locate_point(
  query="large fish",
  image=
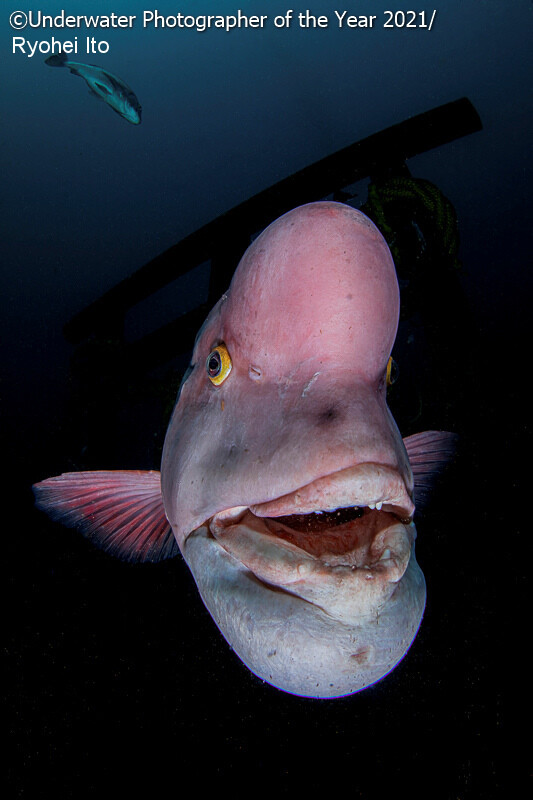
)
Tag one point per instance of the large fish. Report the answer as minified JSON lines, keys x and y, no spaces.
{"x":284,"y":479}
{"x":103,"y":85}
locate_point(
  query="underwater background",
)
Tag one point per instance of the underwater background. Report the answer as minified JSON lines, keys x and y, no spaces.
{"x":116,"y":672}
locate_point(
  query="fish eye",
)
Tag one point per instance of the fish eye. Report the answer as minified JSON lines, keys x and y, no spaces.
{"x":392,"y":371}
{"x":218,"y":364}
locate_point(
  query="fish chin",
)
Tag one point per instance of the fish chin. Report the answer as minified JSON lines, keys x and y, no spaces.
{"x":294,"y":644}
{"x":134,"y":116}
{"x":319,"y":603}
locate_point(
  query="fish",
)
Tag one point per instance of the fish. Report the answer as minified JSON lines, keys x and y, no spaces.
{"x":284,"y":481}
{"x":103,"y":85}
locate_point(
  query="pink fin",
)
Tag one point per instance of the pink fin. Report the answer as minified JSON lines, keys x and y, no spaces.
{"x":429,"y":452}
{"x":121,"y":512}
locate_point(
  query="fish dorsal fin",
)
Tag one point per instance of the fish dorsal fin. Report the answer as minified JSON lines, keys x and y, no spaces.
{"x":120,"y":511}
{"x":429,"y":452}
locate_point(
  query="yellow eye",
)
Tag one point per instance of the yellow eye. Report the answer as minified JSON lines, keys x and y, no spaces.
{"x":392,"y":371}
{"x":218,"y":364}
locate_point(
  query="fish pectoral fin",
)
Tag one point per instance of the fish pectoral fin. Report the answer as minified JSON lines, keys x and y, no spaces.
{"x":98,"y":95}
{"x":429,"y":452}
{"x":103,"y":88}
{"x":120,"y":511}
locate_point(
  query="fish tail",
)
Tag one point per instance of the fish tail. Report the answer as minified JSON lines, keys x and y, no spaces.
{"x":57,"y":60}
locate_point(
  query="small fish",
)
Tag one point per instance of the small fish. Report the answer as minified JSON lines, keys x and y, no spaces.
{"x":105,"y":86}
{"x":284,"y":481}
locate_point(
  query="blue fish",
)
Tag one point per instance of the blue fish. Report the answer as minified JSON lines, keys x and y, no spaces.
{"x":105,"y":86}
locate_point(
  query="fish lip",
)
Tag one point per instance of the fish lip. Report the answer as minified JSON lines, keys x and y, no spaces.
{"x":310,"y":542}
{"x":378,"y":491}
{"x":350,"y":572}
{"x":362,"y":485}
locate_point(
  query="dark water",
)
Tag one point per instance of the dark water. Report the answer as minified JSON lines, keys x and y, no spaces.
{"x":116,"y":672}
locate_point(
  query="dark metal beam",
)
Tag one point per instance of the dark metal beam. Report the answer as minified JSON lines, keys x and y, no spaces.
{"x":372,"y":156}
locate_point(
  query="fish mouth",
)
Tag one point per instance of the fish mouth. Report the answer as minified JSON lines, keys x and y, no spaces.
{"x":342,"y":542}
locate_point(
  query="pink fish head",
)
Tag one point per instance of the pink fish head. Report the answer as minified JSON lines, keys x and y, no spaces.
{"x":306,"y":327}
